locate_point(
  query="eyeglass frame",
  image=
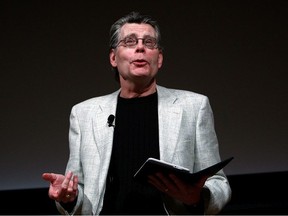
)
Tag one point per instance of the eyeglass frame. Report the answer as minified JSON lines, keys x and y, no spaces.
{"x":137,"y":40}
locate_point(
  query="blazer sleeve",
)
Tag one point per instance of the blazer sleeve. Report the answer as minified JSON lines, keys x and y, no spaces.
{"x":74,"y":162}
{"x":207,"y":154}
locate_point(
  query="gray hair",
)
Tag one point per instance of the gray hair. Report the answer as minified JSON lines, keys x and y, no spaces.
{"x":133,"y":17}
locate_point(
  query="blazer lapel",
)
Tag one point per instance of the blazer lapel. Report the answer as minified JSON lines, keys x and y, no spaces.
{"x":102,"y":132}
{"x":170,"y":116}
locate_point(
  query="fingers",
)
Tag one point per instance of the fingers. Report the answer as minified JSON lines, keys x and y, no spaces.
{"x":75,"y":183}
{"x":72,"y":190}
{"x":161,"y":182}
{"x":173,"y":184}
{"x":66,"y":182}
{"x":69,"y":188}
{"x":175,"y":187}
{"x":156,"y":183}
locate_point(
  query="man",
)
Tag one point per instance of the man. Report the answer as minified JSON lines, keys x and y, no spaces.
{"x":144,"y":120}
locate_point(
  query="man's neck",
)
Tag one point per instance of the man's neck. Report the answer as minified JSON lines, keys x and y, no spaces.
{"x":132,"y":91}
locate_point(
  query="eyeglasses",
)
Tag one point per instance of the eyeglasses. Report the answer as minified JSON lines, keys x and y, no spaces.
{"x":131,"y":42}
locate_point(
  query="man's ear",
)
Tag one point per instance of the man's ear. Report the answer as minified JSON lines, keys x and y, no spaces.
{"x":112,"y":58}
{"x":160,"y":59}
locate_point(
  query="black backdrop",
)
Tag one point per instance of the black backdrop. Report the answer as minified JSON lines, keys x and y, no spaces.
{"x":55,"y":54}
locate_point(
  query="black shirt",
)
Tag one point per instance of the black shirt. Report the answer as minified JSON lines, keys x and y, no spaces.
{"x":135,"y":139}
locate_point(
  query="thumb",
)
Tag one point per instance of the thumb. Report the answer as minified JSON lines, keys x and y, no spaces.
{"x":49,"y":177}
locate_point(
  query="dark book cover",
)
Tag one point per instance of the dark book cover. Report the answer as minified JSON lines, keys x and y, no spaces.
{"x":152,"y":165}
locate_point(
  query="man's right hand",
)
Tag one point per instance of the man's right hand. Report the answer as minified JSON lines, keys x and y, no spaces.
{"x":62,"y":188}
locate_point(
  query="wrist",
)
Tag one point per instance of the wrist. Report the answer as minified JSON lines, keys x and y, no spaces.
{"x":196,"y":208}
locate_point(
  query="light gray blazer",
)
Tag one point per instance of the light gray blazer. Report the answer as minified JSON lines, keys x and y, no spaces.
{"x":186,"y":137}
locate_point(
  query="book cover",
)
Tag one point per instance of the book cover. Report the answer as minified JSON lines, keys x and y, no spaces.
{"x":152,"y":165}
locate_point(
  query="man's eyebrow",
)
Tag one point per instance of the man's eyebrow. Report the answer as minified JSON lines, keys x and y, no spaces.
{"x":134,"y":35}
{"x":130,"y":35}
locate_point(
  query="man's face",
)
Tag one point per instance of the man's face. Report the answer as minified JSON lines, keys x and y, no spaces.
{"x":138,"y":62}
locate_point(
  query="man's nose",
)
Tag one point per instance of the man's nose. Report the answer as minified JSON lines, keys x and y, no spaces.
{"x":140,"y":45}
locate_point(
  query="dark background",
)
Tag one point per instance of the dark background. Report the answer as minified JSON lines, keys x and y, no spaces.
{"x":54,"y":54}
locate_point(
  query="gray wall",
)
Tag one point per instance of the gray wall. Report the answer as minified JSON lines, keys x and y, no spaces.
{"x":54,"y":54}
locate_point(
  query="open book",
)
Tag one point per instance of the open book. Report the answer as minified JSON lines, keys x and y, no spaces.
{"x":152,"y":165}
